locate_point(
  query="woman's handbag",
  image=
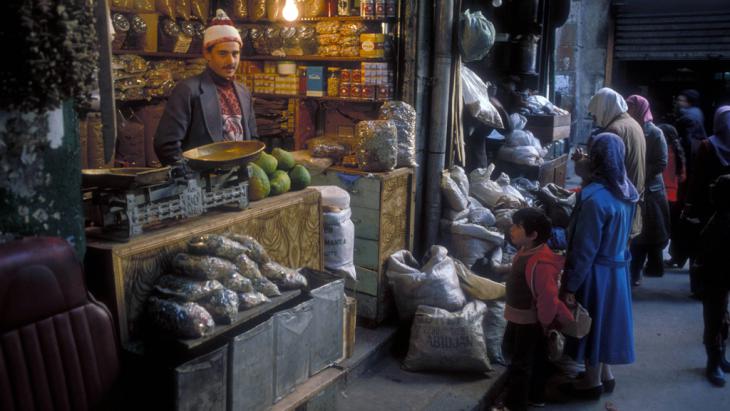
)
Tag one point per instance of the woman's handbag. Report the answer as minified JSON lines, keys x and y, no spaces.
{"x":581,"y":325}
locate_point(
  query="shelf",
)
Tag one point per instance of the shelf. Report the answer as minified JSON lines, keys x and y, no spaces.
{"x":317,"y":58}
{"x":324,"y":18}
{"x":326,"y":98}
{"x":161,"y":54}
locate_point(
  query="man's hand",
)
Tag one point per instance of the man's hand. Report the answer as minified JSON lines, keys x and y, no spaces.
{"x":578,"y":154}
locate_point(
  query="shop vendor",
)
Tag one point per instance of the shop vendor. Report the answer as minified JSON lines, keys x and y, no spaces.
{"x":211,"y":106}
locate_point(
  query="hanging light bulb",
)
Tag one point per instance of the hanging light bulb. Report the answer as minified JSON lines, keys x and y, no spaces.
{"x":290,"y":12}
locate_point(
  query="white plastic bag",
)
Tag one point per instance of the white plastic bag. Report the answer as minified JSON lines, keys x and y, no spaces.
{"x":524,"y":155}
{"x":339,"y":243}
{"x":435,"y":284}
{"x":485,"y":190}
{"x":476,"y":99}
{"x":451,"y":191}
{"x":476,"y":36}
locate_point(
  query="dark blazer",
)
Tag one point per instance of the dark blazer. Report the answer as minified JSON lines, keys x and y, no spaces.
{"x":192,"y":117}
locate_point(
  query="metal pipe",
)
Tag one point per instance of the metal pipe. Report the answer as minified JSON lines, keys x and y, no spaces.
{"x":424,"y":40}
{"x":440,"y":107}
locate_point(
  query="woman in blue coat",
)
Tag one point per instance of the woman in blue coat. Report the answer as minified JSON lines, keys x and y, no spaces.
{"x":596,"y":271}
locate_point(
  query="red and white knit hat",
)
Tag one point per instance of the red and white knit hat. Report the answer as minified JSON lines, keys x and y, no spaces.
{"x":221,"y":30}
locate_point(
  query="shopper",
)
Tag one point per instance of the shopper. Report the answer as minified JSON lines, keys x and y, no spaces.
{"x":675,"y":183}
{"x":609,"y":110}
{"x":690,"y":122}
{"x":532,"y":308}
{"x":596,"y":271}
{"x":711,"y":266}
{"x":649,"y":245}
{"x":711,"y":161}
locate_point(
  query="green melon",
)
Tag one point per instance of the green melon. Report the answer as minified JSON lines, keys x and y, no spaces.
{"x":267,"y":162}
{"x":259,"y":185}
{"x":285,"y":159}
{"x":300,"y":177}
{"x":280,"y":182}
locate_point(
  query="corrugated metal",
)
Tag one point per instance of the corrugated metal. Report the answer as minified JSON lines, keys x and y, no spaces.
{"x":672,"y":36}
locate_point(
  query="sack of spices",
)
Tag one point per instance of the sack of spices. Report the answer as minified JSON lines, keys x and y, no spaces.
{"x":184,"y":289}
{"x":327,"y":27}
{"x":222,"y":305}
{"x":404,"y":118}
{"x":202,"y":267}
{"x":307,"y":39}
{"x":253,"y":248}
{"x":339,"y":241}
{"x":448,"y":341}
{"x":285,"y":278}
{"x":377,"y":143}
{"x":250,"y":300}
{"x":182,"y":320}
{"x":236,"y":282}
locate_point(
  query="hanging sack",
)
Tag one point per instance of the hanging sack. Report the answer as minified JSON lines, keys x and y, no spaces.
{"x":476,"y":36}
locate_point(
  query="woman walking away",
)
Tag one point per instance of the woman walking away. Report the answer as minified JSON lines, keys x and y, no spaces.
{"x":596,"y":272}
{"x":675,"y":184}
{"x":711,"y":263}
{"x":648,"y":246}
{"x":711,"y":161}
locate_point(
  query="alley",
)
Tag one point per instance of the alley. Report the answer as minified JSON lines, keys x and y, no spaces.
{"x":667,"y":376}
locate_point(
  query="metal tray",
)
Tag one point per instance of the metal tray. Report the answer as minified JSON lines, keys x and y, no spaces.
{"x":226,"y":154}
{"x":127,"y":177}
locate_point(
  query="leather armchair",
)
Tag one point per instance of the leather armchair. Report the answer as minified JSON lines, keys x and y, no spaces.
{"x":58,"y":349}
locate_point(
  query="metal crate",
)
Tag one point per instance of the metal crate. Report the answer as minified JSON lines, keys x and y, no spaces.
{"x":200,"y":384}
{"x":292,"y":336}
{"x":328,"y":302}
{"x":251,"y":386}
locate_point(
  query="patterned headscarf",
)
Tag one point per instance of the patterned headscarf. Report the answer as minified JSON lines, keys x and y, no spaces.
{"x":721,"y":139}
{"x":607,"y":166}
{"x":606,"y":105}
{"x":639,"y":109}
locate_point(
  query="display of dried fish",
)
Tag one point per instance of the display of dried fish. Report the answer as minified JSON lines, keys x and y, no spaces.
{"x":237,"y":282}
{"x":255,"y":250}
{"x":202,"y":267}
{"x":183,"y":320}
{"x":284,"y":277}
{"x":184,"y":289}
{"x":222,"y":305}
{"x":250,"y":300}
{"x":216,"y":245}
{"x":266,"y":287}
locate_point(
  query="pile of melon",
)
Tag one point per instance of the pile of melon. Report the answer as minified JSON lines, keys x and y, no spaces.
{"x":274,"y":174}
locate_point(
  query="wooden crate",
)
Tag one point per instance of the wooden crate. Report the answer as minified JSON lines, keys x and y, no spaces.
{"x":348,"y":331}
{"x":549,"y":128}
{"x":382,"y":211}
{"x":554,"y":171}
{"x":122,"y":275}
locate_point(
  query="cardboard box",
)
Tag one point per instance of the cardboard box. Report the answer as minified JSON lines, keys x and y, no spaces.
{"x":548,"y":128}
{"x":315,"y":81}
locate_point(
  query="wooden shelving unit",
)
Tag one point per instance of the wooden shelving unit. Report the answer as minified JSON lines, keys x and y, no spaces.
{"x":316,"y":58}
{"x":324,"y":98}
{"x":159,"y":54}
{"x":323,"y":18}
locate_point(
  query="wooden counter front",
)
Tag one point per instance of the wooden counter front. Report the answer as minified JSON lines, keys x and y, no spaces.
{"x":122,"y":275}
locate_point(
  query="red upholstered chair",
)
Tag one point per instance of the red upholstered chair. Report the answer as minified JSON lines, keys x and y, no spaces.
{"x":57,"y":344}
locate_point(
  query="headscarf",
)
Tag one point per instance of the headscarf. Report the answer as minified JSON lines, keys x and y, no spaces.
{"x":639,"y":109}
{"x":607,"y":166}
{"x":721,"y":139}
{"x":606,"y":105}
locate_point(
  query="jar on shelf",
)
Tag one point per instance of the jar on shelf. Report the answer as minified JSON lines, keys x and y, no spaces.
{"x":355,"y":90}
{"x":368,"y":92}
{"x":343,"y":7}
{"x":344,"y":89}
{"x":345,"y":75}
{"x":120,"y":22}
{"x":137,"y":35}
{"x":169,"y":35}
{"x":356,"y":76}
{"x":333,"y":82}
{"x":302,"y":87}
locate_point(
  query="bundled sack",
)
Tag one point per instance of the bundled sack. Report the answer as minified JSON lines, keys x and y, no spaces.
{"x":472,"y":242}
{"x":523,"y":155}
{"x":476,"y":99}
{"x":559,"y":203}
{"x":377,"y":142}
{"x":489,"y":193}
{"x":184,"y":289}
{"x":478,"y":287}
{"x":476,"y":36}
{"x":435,"y":284}
{"x":182,"y":320}
{"x":448,"y":341}
{"x":339,"y":243}
{"x":222,"y":305}
{"x":456,"y":199}
{"x":250,"y":300}
{"x":521,"y":137}
{"x":404,"y":118}
{"x":202,"y":267}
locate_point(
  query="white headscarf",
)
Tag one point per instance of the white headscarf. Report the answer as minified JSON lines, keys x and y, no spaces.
{"x":606,"y":105}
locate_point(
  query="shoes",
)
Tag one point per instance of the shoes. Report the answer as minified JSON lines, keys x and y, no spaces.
{"x":635,"y":283}
{"x":608,"y":385}
{"x":713,"y":372}
{"x":569,"y":389}
{"x":537,"y":404}
{"x":724,"y":364}
{"x":670,"y":264}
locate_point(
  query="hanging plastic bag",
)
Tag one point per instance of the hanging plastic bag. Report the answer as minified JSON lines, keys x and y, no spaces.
{"x":476,"y":99}
{"x":448,"y":341}
{"x":435,"y":284}
{"x":404,"y":118}
{"x":476,"y":36}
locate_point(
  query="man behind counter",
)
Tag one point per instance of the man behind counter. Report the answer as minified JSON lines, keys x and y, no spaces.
{"x":209,"y":107}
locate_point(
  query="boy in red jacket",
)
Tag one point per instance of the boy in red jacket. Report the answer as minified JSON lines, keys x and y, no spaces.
{"x":532,"y":308}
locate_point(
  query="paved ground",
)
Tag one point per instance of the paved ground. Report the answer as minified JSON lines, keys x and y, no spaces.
{"x":668,"y":374}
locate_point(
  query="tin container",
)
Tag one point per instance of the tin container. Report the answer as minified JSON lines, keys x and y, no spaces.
{"x":292,"y":343}
{"x":345,"y":75}
{"x":252,"y":376}
{"x":202,"y":382}
{"x":355,"y":90}
{"x":344,"y":89}
{"x":368,"y":91}
{"x":356,"y":76}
